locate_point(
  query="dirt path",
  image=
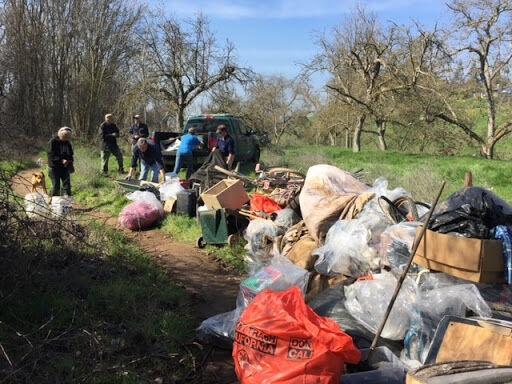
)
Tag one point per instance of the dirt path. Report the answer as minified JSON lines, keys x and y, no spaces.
{"x":211,"y":289}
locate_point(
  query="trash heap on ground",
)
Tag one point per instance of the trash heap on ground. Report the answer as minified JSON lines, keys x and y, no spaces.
{"x":329,"y":267}
{"x":341,"y":246}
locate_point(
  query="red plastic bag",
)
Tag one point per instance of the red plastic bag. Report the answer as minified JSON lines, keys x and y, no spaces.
{"x":262,"y":203}
{"x":280,"y":340}
{"x":140,"y":215}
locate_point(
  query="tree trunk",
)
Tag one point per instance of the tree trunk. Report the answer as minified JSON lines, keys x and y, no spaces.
{"x":347,"y":138}
{"x":356,"y":140}
{"x":381,"y":129}
{"x":332,"y":139}
{"x":180,"y":118}
{"x":488,"y":149}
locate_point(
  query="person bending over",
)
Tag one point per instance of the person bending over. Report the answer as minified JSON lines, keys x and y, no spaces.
{"x":150,"y":160}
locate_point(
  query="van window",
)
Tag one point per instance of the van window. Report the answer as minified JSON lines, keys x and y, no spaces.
{"x":204,"y":125}
{"x":243,"y":129}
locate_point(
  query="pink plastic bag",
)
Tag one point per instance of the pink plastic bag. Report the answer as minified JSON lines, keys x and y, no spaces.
{"x":140,"y":215}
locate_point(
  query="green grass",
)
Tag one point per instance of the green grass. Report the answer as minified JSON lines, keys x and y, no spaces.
{"x":109,"y":316}
{"x":181,"y":228}
{"x":93,"y":190}
{"x":419,"y":174}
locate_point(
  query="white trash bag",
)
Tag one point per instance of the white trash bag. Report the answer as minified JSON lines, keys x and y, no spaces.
{"x":36,"y":205}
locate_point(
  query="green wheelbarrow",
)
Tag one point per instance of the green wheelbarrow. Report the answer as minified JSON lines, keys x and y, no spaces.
{"x":220,"y":227}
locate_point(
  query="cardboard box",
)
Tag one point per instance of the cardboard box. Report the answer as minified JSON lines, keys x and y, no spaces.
{"x":228,"y":194}
{"x":476,"y":260}
{"x":458,"y":340}
{"x":170,"y":205}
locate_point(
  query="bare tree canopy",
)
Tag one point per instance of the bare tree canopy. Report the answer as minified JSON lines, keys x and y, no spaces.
{"x":186,"y":61}
{"x":482,"y":31}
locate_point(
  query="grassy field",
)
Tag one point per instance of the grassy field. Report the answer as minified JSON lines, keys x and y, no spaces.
{"x":419,"y":174}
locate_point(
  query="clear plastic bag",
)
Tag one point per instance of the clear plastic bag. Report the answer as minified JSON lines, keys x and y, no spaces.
{"x":286,"y":218}
{"x":146,"y":197}
{"x":439,"y":295}
{"x":345,"y":250}
{"x":36,"y":205}
{"x":169,"y":176}
{"x":368,"y":300}
{"x":396,"y":243}
{"x":279,"y":275}
{"x":260,"y":235}
{"x":170,"y":189}
{"x":380,"y":188}
{"x":220,"y":329}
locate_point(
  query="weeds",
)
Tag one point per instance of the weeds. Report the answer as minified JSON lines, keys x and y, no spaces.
{"x":82,"y":304}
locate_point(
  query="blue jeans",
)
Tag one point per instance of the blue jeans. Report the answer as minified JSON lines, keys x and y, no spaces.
{"x":187,"y":158}
{"x":145,"y":168}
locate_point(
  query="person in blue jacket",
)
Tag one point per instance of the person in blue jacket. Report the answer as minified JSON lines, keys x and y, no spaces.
{"x":185,"y":153}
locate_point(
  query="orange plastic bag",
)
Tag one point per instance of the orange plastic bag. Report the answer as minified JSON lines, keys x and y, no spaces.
{"x":262,"y":203}
{"x":280,"y":340}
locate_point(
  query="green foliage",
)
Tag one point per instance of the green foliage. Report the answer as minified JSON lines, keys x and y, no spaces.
{"x":233,"y":257}
{"x":92,"y":189}
{"x":95,"y":306}
{"x":181,"y":228}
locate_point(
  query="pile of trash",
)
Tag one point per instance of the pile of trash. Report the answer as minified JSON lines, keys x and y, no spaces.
{"x":343,"y":247}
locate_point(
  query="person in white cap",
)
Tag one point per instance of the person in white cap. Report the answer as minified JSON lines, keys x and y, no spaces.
{"x":60,"y":161}
{"x":150,"y":160}
{"x":109,"y":133}
{"x":138,"y":129}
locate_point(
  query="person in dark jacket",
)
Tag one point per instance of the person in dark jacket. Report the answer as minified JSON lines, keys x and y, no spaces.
{"x":60,"y":161}
{"x":138,"y":130}
{"x":225,"y":145}
{"x":150,"y":160}
{"x":109,"y":133}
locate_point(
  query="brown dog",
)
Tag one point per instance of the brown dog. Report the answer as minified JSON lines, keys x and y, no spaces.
{"x":38,"y":180}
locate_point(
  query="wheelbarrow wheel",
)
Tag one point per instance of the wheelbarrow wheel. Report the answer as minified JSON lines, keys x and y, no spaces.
{"x":233,"y":240}
{"x":200,"y":243}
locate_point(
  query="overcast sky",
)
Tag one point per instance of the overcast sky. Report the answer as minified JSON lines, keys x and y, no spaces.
{"x":276,"y":36}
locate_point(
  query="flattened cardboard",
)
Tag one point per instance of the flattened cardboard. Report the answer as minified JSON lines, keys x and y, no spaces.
{"x":469,"y":342}
{"x":476,"y":260}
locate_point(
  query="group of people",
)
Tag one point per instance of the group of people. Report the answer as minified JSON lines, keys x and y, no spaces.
{"x":60,"y":153}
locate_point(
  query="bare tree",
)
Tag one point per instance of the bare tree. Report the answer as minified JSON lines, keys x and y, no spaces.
{"x":277,"y":105}
{"x":186,"y":61}
{"x":357,"y":57}
{"x":484,"y":32}
{"x":64,"y":61}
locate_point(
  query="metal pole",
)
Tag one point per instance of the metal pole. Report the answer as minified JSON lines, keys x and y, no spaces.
{"x":406,"y":270}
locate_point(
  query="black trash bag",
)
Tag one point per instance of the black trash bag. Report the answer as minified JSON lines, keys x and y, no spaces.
{"x":151,"y":188}
{"x":471,"y":212}
{"x":206,"y":175}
